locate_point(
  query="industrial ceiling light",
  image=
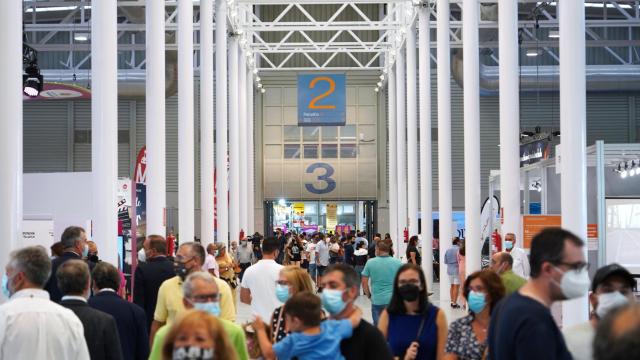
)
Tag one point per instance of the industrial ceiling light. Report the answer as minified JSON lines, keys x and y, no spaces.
{"x":625,"y":172}
{"x":259,"y":86}
{"x":633,"y":170}
{"x":81,"y":36}
{"x":532,"y":52}
{"x":554,"y":34}
{"x":379,"y":84}
{"x":32,"y":80}
{"x":376,"y":89}
{"x":255,"y":71}
{"x":263,"y":91}
{"x":257,"y":78}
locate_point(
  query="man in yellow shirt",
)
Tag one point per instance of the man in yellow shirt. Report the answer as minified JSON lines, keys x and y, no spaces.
{"x":502,"y":264}
{"x":189,"y":259}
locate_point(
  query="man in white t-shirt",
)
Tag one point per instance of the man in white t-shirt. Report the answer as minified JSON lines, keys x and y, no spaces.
{"x":210,"y":263}
{"x":258,"y":287}
{"x":310,"y":249}
{"x":521,"y":265}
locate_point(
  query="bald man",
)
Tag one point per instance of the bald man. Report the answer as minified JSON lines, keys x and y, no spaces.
{"x":502,"y":264}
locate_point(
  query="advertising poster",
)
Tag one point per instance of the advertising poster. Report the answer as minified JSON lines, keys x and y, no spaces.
{"x":37,"y":232}
{"x":534,"y":152}
{"x":322,"y":100}
{"x":140,"y":176}
{"x":533,"y":224}
{"x":332,"y":216}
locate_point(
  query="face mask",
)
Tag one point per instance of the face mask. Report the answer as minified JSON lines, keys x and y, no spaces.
{"x":477,"y":301}
{"x":5,"y":286}
{"x":85,"y":251}
{"x":181,"y":271}
{"x":282,"y":293}
{"x":142,"y":255}
{"x":508,"y":245}
{"x":212,"y":308}
{"x":332,"y":301}
{"x":608,"y":302}
{"x":192,"y":353}
{"x":575,"y":283}
{"x":409,"y":292}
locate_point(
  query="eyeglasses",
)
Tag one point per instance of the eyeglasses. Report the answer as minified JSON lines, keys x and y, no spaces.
{"x":578,"y":266}
{"x":206,"y":298}
{"x":409,"y":282}
{"x":181,"y":261}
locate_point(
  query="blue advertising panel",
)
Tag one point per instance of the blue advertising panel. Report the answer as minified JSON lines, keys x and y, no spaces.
{"x":322,"y":100}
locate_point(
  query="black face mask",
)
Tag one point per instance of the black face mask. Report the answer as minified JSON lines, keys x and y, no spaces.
{"x":409,"y":292}
{"x":181,"y":270}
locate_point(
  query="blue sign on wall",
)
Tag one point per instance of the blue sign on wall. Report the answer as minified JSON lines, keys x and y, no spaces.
{"x":321,"y":100}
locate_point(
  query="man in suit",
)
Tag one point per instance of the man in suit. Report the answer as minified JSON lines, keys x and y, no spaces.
{"x":100,"y":329}
{"x":151,"y":274}
{"x":130,"y":318}
{"x":75,"y":247}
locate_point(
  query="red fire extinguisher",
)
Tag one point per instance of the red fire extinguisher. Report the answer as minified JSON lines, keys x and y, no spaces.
{"x":406,"y":235}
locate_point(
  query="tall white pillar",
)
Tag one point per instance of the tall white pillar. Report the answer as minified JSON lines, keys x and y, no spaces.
{"x":206,"y":122}
{"x":186,"y":158}
{"x":509,"y":117}
{"x":155,"y":118}
{"x":393,"y":160}
{"x":573,"y":117}
{"x":234,"y":141}
{"x":412,"y":132}
{"x":444,"y":143}
{"x":426,"y":172}
{"x":11,"y":128}
{"x":471,"y":66}
{"x":104,"y":127}
{"x":222,"y":180}
{"x":242,"y":142}
{"x":251,"y":221}
{"x":401,"y":144}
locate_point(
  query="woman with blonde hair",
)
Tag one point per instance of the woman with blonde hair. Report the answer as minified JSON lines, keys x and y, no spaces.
{"x":197,"y":335}
{"x":292,"y":280}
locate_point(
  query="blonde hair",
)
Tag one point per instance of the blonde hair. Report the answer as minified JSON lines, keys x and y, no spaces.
{"x":192,"y":318}
{"x":299,"y":278}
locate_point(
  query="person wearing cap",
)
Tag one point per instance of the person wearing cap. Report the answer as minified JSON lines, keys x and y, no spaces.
{"x":612,"y":287}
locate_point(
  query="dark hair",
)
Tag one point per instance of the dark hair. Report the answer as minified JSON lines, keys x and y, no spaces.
{"x":270,"y":245}
{"x":462,"y":250}
{"x":306,"y":307}
{"x":456,"y":241}
{"x":360,"y":245}
{"x":158,"y":243}
{"x":349,"y":275}
{"x":70,"y":235}
{"x":57,"y":249}
{"x":548,"y":246}
{"x":34,"y":262}
{"x":612,"y":343}
{"x":505,"y":257}
{"x":413,"y":240}
{"x":106,"y":276}
{"x":396,"y":305}
{"x":72,"y":277}
{"x":492,"y":283}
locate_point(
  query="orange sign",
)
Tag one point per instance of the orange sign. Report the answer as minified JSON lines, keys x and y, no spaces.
{"x":592,"y":231}
{"x":533,"y":224}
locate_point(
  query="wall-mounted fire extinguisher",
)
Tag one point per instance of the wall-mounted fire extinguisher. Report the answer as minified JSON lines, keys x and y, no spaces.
{"x":406,"y":235}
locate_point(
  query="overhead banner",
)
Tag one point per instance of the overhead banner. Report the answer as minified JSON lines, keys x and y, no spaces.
{"x":332,"y":216}
{"x":534,"y":152}
{"x":322,"y":100}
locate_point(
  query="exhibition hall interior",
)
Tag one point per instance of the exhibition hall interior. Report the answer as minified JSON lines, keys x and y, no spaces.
{"x":320,"y":179}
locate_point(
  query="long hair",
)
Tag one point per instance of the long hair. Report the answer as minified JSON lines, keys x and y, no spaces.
{"x":192,"y":318}
{"x":492,"y":284}
{"x":396,"y":305}
{"x":299,"y":278}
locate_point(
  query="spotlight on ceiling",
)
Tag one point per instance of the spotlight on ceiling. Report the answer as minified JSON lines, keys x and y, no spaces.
{"x":624,"y":172}
{"x":81,"y":36}
{"x":32,"y":80}
{"x":263,"y":90}
{"x":554,"y":34}
{"x":532,"y":52}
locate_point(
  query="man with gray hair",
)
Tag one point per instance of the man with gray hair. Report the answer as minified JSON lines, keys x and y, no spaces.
{"x":100,"y":330}
{"x":201,"y":292}
{"x":30,"y":324}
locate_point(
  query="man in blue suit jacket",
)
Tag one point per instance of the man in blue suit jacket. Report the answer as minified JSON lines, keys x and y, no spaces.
{"x":130,"y":318}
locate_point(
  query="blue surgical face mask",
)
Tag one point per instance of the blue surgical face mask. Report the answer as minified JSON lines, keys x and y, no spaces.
{"x":85,"y":251}
{"x":212,"y":308}
{"x":477,"y":301}
{"x":282,"y":293}
{"x":332,"y":301}
{"x":5,"y":286}
{"x":508,"y":245}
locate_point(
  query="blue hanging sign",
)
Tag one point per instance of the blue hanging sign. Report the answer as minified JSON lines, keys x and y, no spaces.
{"x":322,"y":100}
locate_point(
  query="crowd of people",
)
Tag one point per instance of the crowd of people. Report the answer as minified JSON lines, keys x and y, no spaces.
{"x":302,"y":290}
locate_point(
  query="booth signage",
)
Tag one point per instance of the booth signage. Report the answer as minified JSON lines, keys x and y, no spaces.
{"x":321,"y":100}
{"x":534,"y":152}
{"x":534,"y":224}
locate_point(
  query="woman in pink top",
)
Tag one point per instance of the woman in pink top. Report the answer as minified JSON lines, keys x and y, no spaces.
{"x":462,"y":274}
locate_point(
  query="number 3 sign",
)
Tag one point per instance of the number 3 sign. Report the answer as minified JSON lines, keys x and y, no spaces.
{"x":321,"y":99}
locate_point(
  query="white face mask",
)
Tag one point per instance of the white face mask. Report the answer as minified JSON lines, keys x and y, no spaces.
{"x":574,"y":283}
{"x":610,"y":301}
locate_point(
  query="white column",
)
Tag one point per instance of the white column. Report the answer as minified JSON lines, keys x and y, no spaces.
{"x":401,"y":144}
{"x":242,"y":142}
{"x":412,"y":132}
{"x":186,"y":170}
{"x":471,"y":66}
{"x":155,"y":118}
{"x":11,"y":128}
{"x":393,"y":160}
{"x":509,"y":117}
{"x":573,"y":117}
{"x":222,"y":181}
{"x":426,"y":172}
{"x":206,"y":122}
{"x":251,"y":221}
{"x":234,"y":141}
{"x":104,"y":127}
{"x":444,"y":142}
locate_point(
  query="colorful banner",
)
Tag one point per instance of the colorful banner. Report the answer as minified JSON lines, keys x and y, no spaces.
{"x":332,"y":216}
{"x":140,"y":176}
{"x":534,"y":152}
{"x":322,"y":100}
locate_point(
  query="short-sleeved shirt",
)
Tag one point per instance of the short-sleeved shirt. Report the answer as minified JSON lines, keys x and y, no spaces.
{"x":511,"y":281}
{"x":323,"y":253}
{"x":210,"y":263}
{"x":462,"y":341}
{"x":170,"y":301}
{"x":311,"y":249}
{"x":260,"y":278}
{"x":323,"y":346}
{"x":234,"y":332}
{"x":414,"y":249}
{"x":366,"y":342}
{"x":521,"y":328}
{"x":381,"y":271}
{"x":451,"y":259}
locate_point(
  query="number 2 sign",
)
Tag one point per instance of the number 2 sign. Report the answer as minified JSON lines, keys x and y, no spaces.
{"x":321,"y":100}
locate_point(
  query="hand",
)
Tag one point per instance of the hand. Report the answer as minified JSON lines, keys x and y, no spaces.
{"x":258,"y":324}
{"x":412,"y":351}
